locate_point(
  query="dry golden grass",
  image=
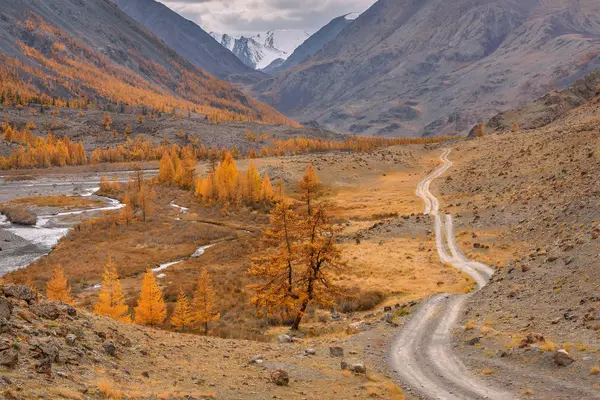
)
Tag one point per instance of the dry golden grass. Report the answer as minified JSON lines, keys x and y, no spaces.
{"x":108,"y":390}
{"x":487,"y":371}
{"x":397,"y":267}
{"x":64,"y":202}
{"x":595,"y":370}
{"x":65,"y":393}
{"x":18,"y":215}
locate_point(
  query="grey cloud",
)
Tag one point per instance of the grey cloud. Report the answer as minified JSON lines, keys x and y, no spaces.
{"x":252,"y":16}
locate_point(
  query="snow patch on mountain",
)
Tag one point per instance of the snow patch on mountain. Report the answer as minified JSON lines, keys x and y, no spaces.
{"x":352,"y":16}
{"x":260,"y":50}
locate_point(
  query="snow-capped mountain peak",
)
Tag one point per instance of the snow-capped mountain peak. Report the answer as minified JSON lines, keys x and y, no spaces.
{"x":260,"y":50}
{"x":352,"y":16}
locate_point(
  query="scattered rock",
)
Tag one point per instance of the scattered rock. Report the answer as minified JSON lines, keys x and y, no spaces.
{"x":310,"y":352}
{"x":70,"y":339}
{"x":46,"y":310}
{"x":145,"y":374}
{"x":109,"y":348}
{"x":257,"y":359}
{"x":358,"y":368}
{"x":19,"y":292}
{"x":9,"y":358}
{"x":6,"y":308}
{"x":474,"y":341}
{"x":284,"y":339}
{"x":562,"y":358}
{"x":280,"y":377}
{"x":336,"y":351}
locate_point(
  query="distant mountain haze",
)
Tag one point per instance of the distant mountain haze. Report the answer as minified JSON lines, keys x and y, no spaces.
{"x":189,"y":40}
{"x":414,"y":67}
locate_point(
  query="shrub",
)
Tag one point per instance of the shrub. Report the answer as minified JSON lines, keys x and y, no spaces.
{"x":358,"y":300}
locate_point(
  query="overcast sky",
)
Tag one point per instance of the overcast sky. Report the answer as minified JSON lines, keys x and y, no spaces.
{"x":238,"y":17}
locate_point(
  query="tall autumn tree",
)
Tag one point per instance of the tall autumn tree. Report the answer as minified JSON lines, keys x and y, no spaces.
{"x":266,"y":190}
{"x":111,"y":301}
{"x":127,"y":213}
{"x":183,"y":315}
{"x":276,"y":263}
{"x":204,"y":301}
{"x":320,"y":256}
{"x":145,"y":200}
{"x":226,"y":179}
{"x":309,"y":185}
{"x":252,"y":184}
{"x":58,"y":288}
{"x":166,"y":170}
{"x":150,"y":309}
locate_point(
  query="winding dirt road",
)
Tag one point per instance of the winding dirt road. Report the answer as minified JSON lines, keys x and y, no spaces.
{"x":421,"y":354}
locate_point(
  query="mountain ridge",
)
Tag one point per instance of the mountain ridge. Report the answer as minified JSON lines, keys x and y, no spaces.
{"x":189,"y":40}
{"x":413,"y":68}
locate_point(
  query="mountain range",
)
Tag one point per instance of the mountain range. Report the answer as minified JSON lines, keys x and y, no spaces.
{"x":92,"y":52}
{"x":263,"y":49}
{"x":413,"y":67}
{"x":189,"y":40}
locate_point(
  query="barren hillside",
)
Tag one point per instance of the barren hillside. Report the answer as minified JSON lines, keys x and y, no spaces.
{"x":408,"y":68}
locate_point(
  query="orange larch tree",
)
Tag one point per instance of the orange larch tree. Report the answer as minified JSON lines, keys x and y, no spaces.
{"x":58,"y":288}
{"x":150,"y":309}
{"x":309,"y":185}
{"x":111,"y":301}
{"x":183,"y":315}
{"x":204,"y":301}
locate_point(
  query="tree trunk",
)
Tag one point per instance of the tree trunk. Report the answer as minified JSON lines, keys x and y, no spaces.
{"x":298,"y":319}
{"x":308,"y":203}
{"x":206,"y":327}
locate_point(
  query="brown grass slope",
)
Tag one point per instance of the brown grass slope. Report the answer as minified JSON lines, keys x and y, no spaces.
{"x":93,"y":50}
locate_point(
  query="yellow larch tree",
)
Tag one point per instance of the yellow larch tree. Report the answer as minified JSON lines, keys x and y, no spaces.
{"x":252,"y":184}
{"x":107,"y":121}
{"x":309,"y":185}
{"x":58,"y":288}
{"x":226,"y":179}
{"x":145,"y":200}
{"x":111,"y":301}
{"x":205,"y":189}
{"x":183,"y":315}
{"x":150,"y":309}
{"x":204,"y":301}
{"x":266,"y":190}
{"x":166,"y":170}
{"x":127,"y":213}
{"x":277,"y":262}
{"x":320,"y":257}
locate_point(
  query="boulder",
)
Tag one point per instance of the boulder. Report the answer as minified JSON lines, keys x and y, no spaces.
{"x":280,"y":377}
{"x":46,"y":310}
{"x":336,"y":351}
{"x":310,"y":352}
{"x":284,"y":339}
{"x":257,"y":359}
{"x":6,"y":308}
{"x":70,"y":339}
{"x":9,"y":358}
{"x":562,"y":358}
{"x":20,"y":292}
{"x":44,"y":349}
{"x":109,"y":348}
{"x":355,"y":366}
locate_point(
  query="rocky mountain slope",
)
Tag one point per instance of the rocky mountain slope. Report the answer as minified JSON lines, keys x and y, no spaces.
{"x":189,"y":40}
{"x":313,"y":44}
{"x":437,"y":67}
{"x":92,"y":52}
{"x":548,"y":108}
{"x":527,"y":203}
{"x":264,"y":49}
